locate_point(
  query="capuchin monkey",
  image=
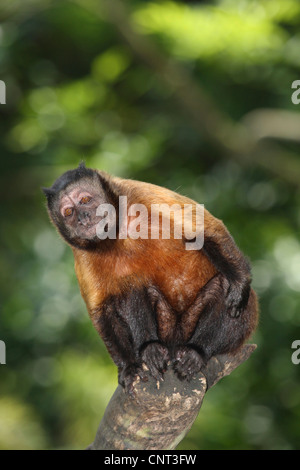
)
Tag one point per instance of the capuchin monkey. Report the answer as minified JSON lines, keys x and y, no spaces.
{"x":154,"y":299}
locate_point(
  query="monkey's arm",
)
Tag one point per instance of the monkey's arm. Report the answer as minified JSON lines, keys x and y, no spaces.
{"x":222,"y":251}
{"x":128,"y":328}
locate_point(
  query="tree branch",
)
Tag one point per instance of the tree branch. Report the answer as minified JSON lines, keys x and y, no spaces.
{"x":160,"y":414}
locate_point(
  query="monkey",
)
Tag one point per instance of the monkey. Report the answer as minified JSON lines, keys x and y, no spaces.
{"x":153,"y":302}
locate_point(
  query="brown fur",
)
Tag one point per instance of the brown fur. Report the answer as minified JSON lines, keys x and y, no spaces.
{"x":145,"y":262}
{"x":152,"y":300}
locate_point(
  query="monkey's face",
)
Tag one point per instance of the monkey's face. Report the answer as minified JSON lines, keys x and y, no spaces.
{"x":77,"y":209}
{"x":73,"y":201}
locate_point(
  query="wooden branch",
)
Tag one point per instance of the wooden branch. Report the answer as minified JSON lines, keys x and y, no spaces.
{"x":160,"y":414}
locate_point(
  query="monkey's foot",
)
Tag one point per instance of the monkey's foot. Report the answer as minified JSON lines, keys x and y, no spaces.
{"x":155,"y":356}
{"x":187,"y":362}
{"x":237,"y":299}
{"x":128,"y":376}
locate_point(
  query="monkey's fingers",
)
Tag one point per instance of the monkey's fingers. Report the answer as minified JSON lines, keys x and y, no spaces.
{"x":187,"y":363}
{"x":235,"y":312}
{"x":128,"y":375}
{"x":156,"y":356}
{"x":237,"y":299}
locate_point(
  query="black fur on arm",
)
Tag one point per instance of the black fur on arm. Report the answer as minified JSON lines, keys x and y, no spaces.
{"x":128,"y":327}
{"x":232,"y":264}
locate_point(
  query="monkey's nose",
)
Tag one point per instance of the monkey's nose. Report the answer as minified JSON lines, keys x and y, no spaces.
{"x":84,"y":218}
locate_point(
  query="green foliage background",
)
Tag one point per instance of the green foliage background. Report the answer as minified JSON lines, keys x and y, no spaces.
{"x":76,"y":89}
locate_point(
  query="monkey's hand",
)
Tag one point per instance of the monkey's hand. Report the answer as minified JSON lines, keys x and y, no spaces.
{"x":187,"y":362}
{"x":129,"y":374}
{"x":155,"y":356}
{"x":237,"y":298}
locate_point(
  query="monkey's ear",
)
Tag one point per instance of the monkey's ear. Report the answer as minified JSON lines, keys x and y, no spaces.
{"x":49,"y":193}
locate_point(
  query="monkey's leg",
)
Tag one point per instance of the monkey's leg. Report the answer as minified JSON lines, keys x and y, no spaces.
{"x":215,"y":330}
{"x":128,"y":328}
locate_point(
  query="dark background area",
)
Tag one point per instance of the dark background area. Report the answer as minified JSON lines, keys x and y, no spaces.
{"x":193,"y":96}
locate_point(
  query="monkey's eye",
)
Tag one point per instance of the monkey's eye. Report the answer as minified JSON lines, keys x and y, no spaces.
{"x":85,"y":199}
{"x":68,"y":211}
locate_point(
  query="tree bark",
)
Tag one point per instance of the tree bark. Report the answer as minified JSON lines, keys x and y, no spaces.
{"x":160,"y":414}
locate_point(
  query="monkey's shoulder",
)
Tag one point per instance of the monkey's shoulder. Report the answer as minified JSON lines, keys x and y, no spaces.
{"x":147,"y":193}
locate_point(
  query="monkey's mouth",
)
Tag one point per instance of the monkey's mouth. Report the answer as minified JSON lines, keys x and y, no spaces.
{"x":87,"y":231}
{"x":88,"y":227}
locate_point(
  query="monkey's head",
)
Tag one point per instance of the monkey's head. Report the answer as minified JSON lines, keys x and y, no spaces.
{"x":73,"y":200}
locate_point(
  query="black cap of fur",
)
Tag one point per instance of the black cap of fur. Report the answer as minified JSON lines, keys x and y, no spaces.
{"x":67,"y":178}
